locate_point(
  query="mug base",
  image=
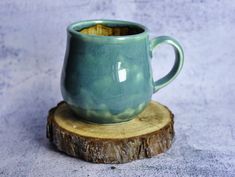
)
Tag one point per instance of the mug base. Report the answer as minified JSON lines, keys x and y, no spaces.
{"x":105,"y":116}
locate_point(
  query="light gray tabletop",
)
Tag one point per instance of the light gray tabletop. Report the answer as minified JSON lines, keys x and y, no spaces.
{"x":32,"y":46}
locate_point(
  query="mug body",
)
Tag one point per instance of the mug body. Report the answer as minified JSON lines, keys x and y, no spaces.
{"x":107,"y":79}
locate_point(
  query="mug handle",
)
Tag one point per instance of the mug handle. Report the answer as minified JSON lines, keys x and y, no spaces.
{"x":179,"y":60}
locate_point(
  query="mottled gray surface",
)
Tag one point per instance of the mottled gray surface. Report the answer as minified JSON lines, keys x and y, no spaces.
{"x":32,"y":46}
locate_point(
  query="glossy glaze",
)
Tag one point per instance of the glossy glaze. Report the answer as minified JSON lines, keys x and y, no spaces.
{"x":108,"y":79}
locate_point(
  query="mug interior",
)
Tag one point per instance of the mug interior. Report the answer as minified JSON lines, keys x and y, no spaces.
{"x":108,"y":28}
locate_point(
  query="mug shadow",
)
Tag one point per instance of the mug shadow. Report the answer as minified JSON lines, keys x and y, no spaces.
{"x":40,"y":134}
{"x":35,"y":124}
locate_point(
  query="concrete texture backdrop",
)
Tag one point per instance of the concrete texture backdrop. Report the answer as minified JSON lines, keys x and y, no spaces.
{"x":32,"y":46}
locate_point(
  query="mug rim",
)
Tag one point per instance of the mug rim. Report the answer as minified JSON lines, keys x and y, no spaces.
{"x":71,"y":29}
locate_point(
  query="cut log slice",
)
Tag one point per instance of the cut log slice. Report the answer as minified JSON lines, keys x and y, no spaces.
{"x":147,"y":135}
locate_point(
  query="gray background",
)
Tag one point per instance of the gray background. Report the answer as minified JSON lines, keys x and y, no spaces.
{"x":32,"y":46}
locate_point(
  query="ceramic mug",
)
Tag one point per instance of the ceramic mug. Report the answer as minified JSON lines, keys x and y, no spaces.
{"x":107,"y":75}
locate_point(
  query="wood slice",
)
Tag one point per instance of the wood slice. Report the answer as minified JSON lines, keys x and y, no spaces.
{"x":147,"y":135}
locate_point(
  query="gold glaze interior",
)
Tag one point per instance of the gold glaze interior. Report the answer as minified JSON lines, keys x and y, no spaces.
{"x":102,"y":30}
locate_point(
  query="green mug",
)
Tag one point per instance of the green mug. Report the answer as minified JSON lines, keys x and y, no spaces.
{"x":107,"y":75}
